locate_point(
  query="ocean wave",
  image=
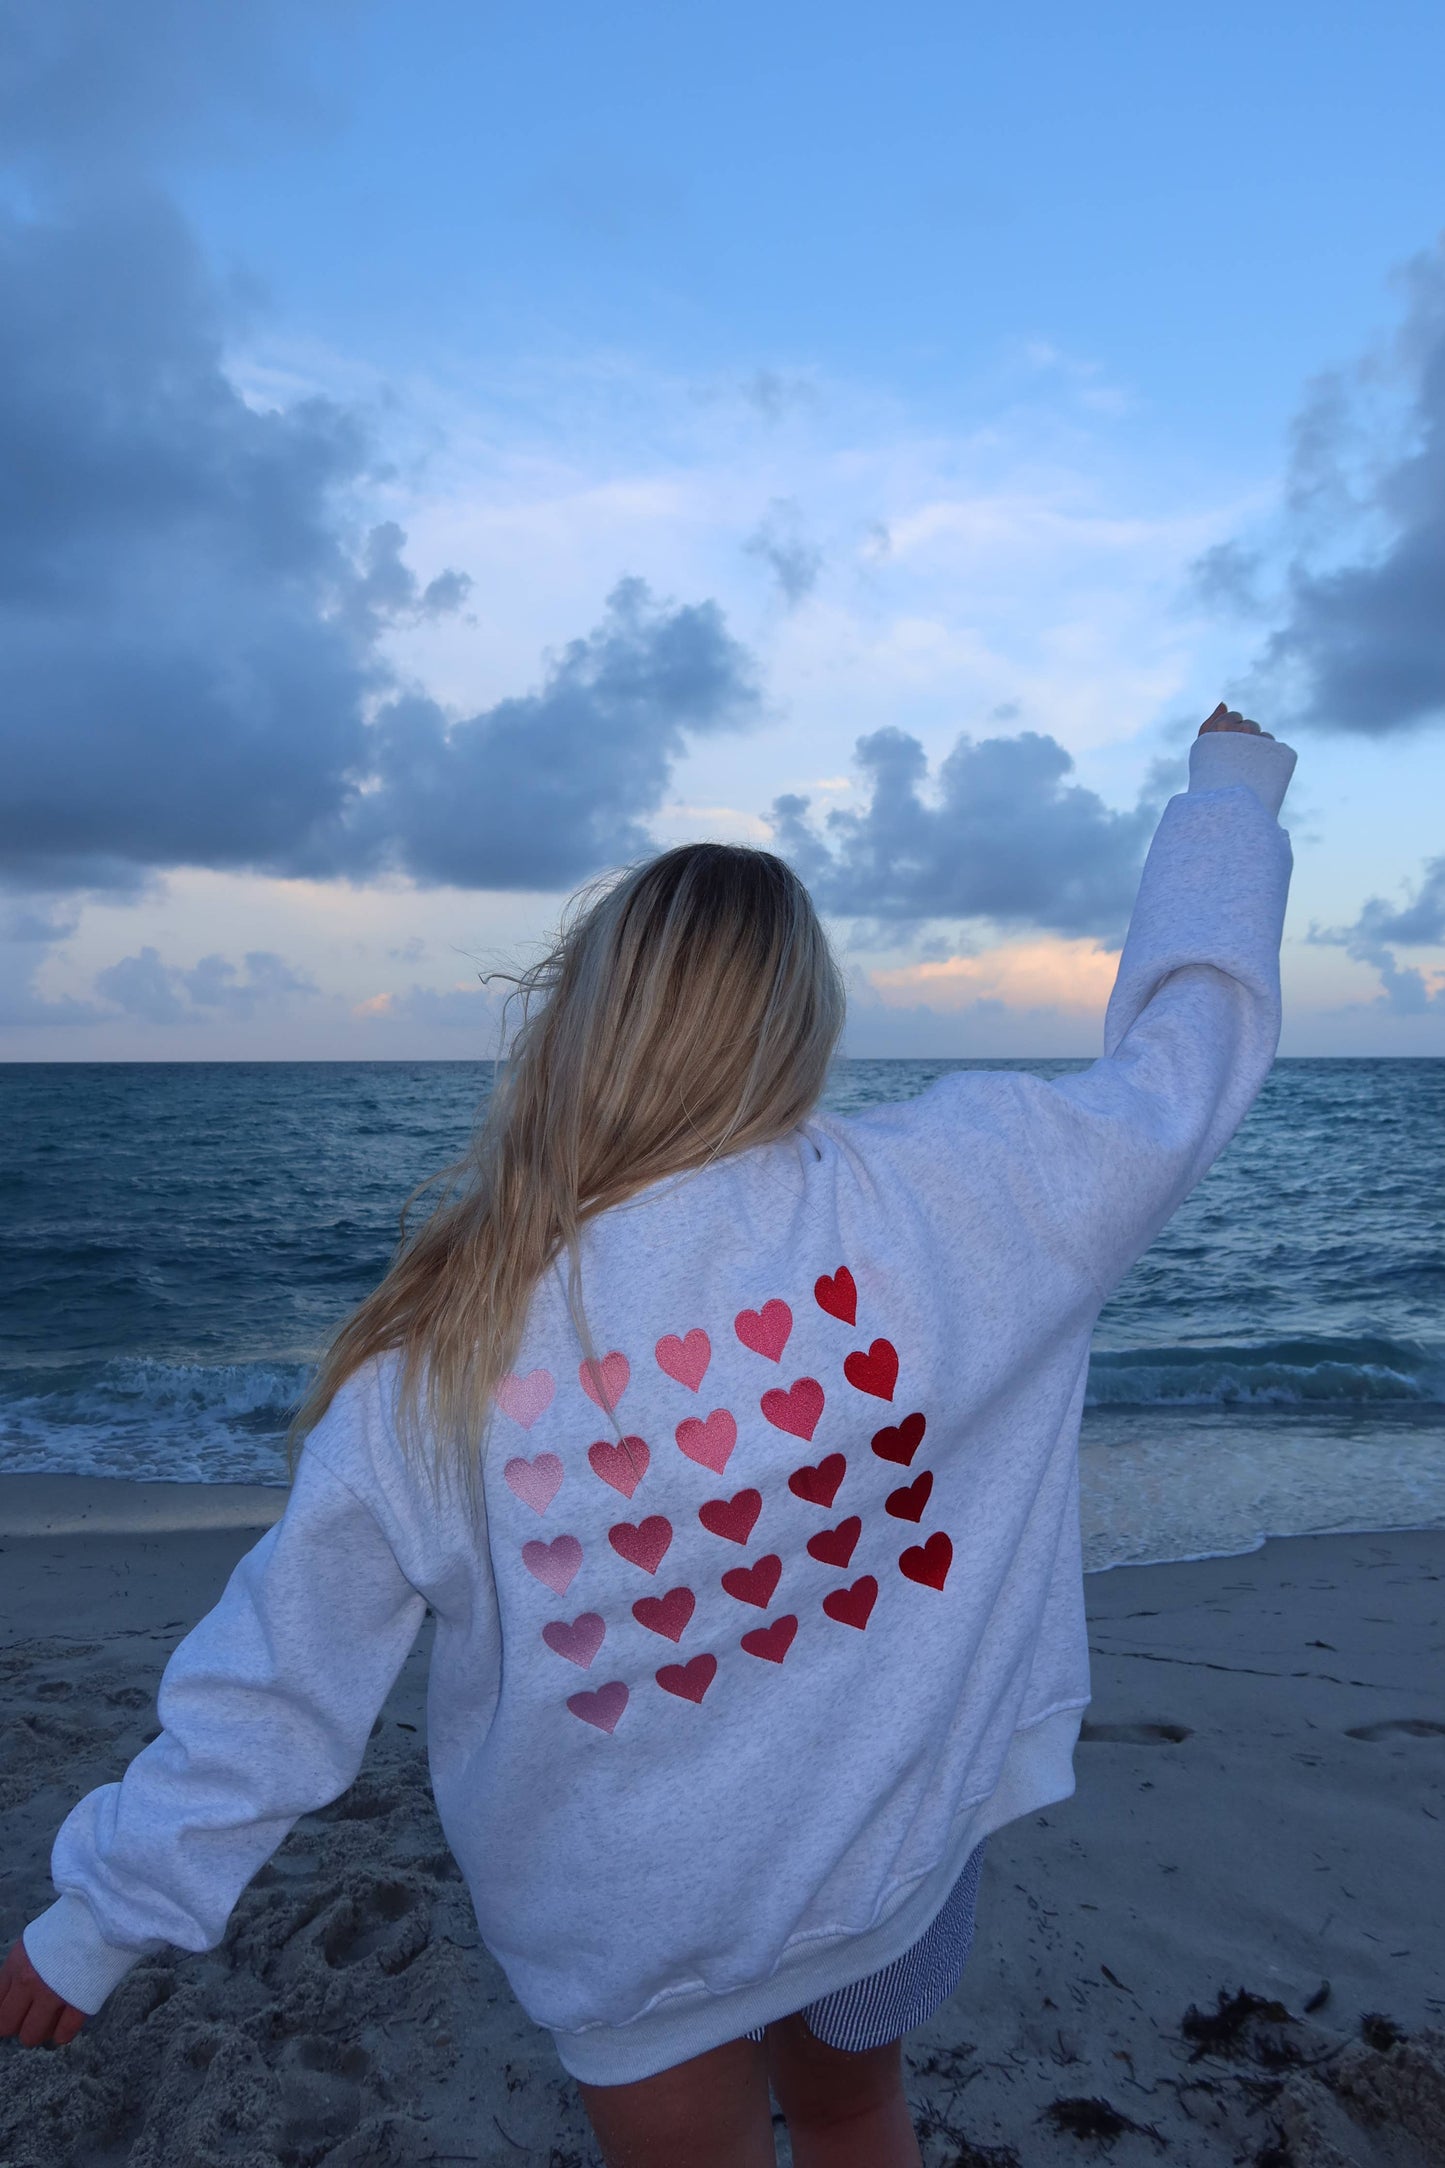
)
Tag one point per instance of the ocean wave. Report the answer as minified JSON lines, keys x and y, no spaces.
{"x":1303,"y":1373}
{"x":152,"y":1420}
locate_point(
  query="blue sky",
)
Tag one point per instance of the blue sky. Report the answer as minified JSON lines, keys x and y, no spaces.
{"x":461,"y":448}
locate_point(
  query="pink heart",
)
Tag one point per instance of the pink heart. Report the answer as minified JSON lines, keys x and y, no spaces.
{"x":602,"y":1708}
{"x":765,"y":1331}
{"x":524,"y":1399}
{"x":708,"y":1443}
{"x":578,"y":1642}
{"x":623,"y":1466}
{"x":535,"y":1482}
{"x":615,"y":1370}
{"x":554,"y":1563}
{"x":686,"y":1359}
{"x":796,"y":1410}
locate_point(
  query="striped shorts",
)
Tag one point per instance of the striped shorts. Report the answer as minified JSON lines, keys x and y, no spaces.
{"x":872,"y":2012}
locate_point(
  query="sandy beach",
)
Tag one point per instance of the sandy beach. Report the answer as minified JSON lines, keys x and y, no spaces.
{"x":1223,"y":1949}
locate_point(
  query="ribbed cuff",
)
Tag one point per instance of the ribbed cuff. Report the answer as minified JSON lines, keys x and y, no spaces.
{"x":72,"y":1956}
{"x":1223,"y":757}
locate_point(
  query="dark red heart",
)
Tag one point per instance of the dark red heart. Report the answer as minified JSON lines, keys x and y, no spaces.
{"x":644,"y":1544}
{"x":754,"y":1584}
{"x":837,"y":1295}
{"x":796,"y":1410}
{"x":876,"y":1372}
{"x":667,"y":1614}
{"x":735,"y":1517}
{"x":929,"y":1562}
{"x":900,"y":1441}
{"x":908,"y":1504}
{"x":820,"y":1485}
{"x":772,"y":1642}
{"x":851,"y":1606}
{"x":688,"y":1681}
{"x":835,"y":1546}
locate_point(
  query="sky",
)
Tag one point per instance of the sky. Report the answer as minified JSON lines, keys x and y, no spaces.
{"x":449,"y":451}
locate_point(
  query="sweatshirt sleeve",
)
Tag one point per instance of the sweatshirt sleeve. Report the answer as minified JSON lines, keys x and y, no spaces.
{"x":1192,"y":1024}
{"x":267,"y":1706}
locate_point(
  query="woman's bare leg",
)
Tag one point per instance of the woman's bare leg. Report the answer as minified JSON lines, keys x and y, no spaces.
{"x":844,"y":2110}
{"x":712,"y":2111}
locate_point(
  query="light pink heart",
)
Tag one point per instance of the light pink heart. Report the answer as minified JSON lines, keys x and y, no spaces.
{"x":578,"y":1642}
{"x":524,"y":1399}
{"x":616,"y":1370}
{"x":554,"y":1563}
{"x":685,"y":1359}
{"x":623,"y":1466}
{"x":708,"y":1442}
{"x":602,"y":1708}
{"x":765,"y":1331}
{"x":535,"y":1482}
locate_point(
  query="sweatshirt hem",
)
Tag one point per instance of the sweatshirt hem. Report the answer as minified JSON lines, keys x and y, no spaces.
{"x":1037,"y":1772}
{"x":72,"y":1956}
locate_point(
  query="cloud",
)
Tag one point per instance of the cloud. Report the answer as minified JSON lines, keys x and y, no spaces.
{"x":1381,"y":928}
{"x":193,"y":608}
{"x":1003,"y":837}
{"x":1359,"y":642}
{"x":794,"y":563}
{"x":161,"y":993}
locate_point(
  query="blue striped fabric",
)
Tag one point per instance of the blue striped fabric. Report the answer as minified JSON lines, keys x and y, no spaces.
{"x":906,"y":1993}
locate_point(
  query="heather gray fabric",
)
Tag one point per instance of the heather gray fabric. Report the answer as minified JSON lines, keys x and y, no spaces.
{"x":709,"y":1751}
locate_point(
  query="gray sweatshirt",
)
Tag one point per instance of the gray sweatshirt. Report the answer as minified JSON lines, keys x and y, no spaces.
{"x":715,"y":1739}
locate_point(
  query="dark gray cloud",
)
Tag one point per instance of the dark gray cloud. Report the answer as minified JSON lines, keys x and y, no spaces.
{"x":191,"y":608}
{"x":1383,"y":927}
{"x":193,"y":601}
{"x":1359,"y":639}
{"x":1004,"y":837}
{"x":778,"y":541}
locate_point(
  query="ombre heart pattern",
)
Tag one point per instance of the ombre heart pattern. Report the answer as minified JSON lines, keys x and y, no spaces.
{"x":535,"y":1482}
{"x":524,"y":1399}
{"x":765,"y":1331}
{"x":622,"y":1465}
{"x":605,"y":1385}
{"x":685,"y":1359}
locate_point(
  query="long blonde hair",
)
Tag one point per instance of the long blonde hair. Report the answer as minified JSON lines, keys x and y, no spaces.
{"x":689,"y":1007}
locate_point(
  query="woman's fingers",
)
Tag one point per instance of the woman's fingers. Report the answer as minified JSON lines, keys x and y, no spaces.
{"x":1225,"y":718}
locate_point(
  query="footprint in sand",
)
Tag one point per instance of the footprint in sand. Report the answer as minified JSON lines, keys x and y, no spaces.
{"x":388,"y":1920}
{"x":1136,"y":1734}
{"x":1398,"y":1727}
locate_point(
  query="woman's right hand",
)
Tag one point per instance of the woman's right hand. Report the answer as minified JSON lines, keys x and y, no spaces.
{"x":1225,"y":718}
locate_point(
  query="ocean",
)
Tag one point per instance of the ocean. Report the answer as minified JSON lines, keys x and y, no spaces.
{"x":177,"y":1240}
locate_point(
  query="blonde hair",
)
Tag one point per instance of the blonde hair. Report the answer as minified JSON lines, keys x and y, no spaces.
{"x":689,"y":1009}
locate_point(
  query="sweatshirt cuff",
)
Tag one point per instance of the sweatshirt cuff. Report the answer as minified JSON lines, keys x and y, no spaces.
{"x":72,"y":1956}
{"x":1223,"y":757}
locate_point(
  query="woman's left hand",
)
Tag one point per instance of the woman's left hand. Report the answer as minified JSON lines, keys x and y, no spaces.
{"x":29,"y":2010}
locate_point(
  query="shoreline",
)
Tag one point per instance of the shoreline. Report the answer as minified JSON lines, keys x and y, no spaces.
{"x":75,"y":1505}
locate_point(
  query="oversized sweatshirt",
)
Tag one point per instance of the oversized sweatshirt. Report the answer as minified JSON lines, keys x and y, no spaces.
{"x":715,"y":1718}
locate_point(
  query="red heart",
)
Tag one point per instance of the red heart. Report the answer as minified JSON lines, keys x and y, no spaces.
{"x":876,"y":1372}
{"x":667,"y":1614}
{"x":902,"y":1441}
{"x":820,"y":1485}
{"x":735,"y":1517}
{"x":623,"y":1466}
{"x":837,"y":1295}
{"x":754,"y":1584}
{"x":765,"y":1331}
{"x":929,"y":1562}
{"x":644,"y":1545}
{"x":908,"y":1504}
{"x":851,"y":1606}
{"x":796,"y":1410}
{"x":708,"y":1442}
{"x":602,"y":1708}
{"x":835,"y":1546}
{"x":772,"y":1642}
{"x":688,"y":1681}
{"x":686,"y":1359}
{"x":606,"y":1385}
